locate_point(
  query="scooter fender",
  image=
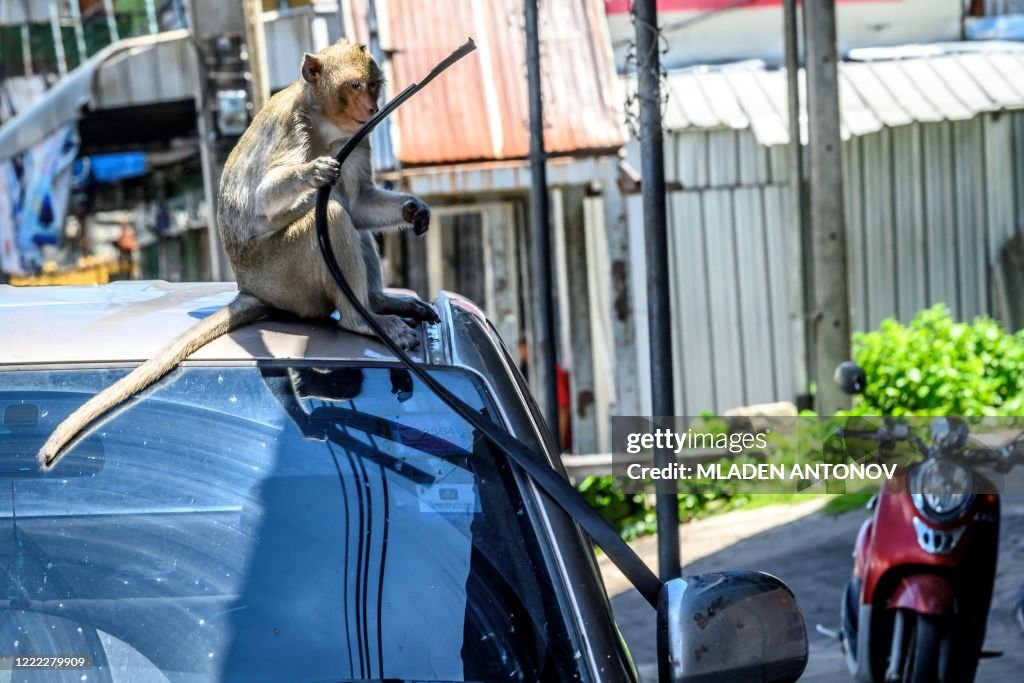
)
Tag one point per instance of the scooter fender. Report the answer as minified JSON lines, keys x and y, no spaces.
{"x":860,"y":548}
{"x":923,"y":593}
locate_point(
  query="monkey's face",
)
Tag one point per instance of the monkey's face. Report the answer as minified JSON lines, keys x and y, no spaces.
{"x":346,"y":81}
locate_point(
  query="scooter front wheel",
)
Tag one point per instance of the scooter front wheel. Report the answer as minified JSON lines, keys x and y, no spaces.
{"x":924,"y":644}
{"x":848,"y":626}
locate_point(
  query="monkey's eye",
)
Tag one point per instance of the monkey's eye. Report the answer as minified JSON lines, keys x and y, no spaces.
{"x":356,"y":85}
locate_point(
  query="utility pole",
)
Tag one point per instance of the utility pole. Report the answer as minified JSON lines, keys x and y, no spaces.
{"x":652,"y":187}
{"x":26,"y":49}
{"x":380,"y":138}
{"x":76,"y":21}
{"x":229,"y":79}
{"x":152,"y":24}
{"x":257,"y":54}
{"x":543,"y":356}
{"x":828,"y":215}
{"x":798,"y":238}
{"x":58,"y":39}
{"x":108,"y":10}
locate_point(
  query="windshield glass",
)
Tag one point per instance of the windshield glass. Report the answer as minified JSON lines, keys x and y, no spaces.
{"x":271,"y":523}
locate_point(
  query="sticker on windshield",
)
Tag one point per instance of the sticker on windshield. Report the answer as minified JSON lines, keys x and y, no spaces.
{"x":448,"y":499}
{"x":435,"y":433}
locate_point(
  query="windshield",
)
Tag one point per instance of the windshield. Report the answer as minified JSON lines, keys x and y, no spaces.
{"x":271,"y":523}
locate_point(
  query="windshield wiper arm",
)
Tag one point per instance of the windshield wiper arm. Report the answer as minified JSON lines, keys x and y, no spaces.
{"x":397,"y":432}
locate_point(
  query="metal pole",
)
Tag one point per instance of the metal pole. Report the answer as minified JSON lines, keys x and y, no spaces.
{"x":208,"y":20}
{"x":652,"y":186}
{"x":543,"y":357}
{"x":380,"y":142}
{"x":108,"y":10}
{"x":26,"y":50}
{"x":154,"y":26}
{"x":828,"y":215}
{"x":58,"y":39}
{"x":345,"y":18}
{"x":799,"y":248}
{"x":255,"y":44}
{"x":76,"y":18}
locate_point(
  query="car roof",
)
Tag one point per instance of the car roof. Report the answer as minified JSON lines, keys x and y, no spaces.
{"x":132,"y":321}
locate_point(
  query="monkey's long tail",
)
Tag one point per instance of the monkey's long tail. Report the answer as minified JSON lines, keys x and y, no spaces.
{"x":243,"y":310}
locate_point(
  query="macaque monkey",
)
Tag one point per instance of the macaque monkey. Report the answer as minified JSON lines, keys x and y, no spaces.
{"x":265,"y":213}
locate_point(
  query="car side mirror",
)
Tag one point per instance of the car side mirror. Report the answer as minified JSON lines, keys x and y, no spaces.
{"x":730,"y":626}
{"x":850,"y":378}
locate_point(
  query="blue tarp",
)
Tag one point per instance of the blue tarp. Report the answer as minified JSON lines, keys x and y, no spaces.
{"x":34,"y":192}
{"x":109,"y":168}
{"x":1010,"y":27}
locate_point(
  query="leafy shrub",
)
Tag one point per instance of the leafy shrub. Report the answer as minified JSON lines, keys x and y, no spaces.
{"x":936,"y":366}
{"x":627,"y":512}
{"x":933,"y":366}
{"x":633,"y":514}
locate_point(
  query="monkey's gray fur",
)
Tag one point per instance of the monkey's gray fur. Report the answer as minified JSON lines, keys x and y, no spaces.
{"x":265,"y":213}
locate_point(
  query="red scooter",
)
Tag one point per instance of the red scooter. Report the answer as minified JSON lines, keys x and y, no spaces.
{"x":917,"y":604}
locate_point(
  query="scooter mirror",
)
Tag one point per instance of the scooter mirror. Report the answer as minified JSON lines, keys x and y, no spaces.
{"x":949,"y":432}
{"x":731,"y":626}
{"x":850,"y":378}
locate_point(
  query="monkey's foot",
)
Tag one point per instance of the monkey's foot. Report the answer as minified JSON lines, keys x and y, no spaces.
{"x":400,"y":332}
{"x":424,"y":312}
{"x":405,"y":307}
{"x":395,"y":327}
{"x":411,"y":307}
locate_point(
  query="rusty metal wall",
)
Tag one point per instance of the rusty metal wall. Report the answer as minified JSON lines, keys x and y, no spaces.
{"x":478,"y":111}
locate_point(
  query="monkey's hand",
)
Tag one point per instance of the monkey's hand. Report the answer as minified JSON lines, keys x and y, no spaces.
{"x":416,"y":212}
{"x":323,"y":170}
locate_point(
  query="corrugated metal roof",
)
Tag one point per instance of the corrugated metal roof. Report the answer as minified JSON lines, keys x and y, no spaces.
{"x":478,"y":109}
{"x":942,"y":85}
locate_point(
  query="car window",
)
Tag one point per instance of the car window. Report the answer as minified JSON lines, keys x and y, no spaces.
{"x":272,"y":523}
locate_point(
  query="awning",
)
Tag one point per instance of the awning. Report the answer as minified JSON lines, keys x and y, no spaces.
{"x":878,"y":88}
{"x":14,"y":12}
{"x":110,"y":68}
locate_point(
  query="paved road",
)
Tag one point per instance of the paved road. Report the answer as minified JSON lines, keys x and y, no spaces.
{"x":812,"y":554}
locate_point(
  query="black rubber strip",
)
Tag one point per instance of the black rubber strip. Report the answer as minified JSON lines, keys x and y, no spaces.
{"x":560,"y":490}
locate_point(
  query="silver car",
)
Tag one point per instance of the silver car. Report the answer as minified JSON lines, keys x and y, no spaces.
{"x":291,"y":504}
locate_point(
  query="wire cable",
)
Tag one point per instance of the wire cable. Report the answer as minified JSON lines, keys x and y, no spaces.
{"x":541,"y":472}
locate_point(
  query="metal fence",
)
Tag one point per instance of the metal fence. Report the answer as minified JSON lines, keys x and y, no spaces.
{"x":929,"y":207}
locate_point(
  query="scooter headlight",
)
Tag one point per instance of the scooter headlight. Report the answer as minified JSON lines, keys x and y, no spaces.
{"x":942,"y":489}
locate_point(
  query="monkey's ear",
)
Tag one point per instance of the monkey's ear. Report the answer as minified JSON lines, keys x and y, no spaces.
{"x":312,"y":67}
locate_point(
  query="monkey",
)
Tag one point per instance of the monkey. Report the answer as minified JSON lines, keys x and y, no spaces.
{"x":266,"y":219}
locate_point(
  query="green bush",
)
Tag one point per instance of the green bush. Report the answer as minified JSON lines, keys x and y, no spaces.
{"x":633,"y":515}
{"x":935,"y":366}
{"x":627,"y":512}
